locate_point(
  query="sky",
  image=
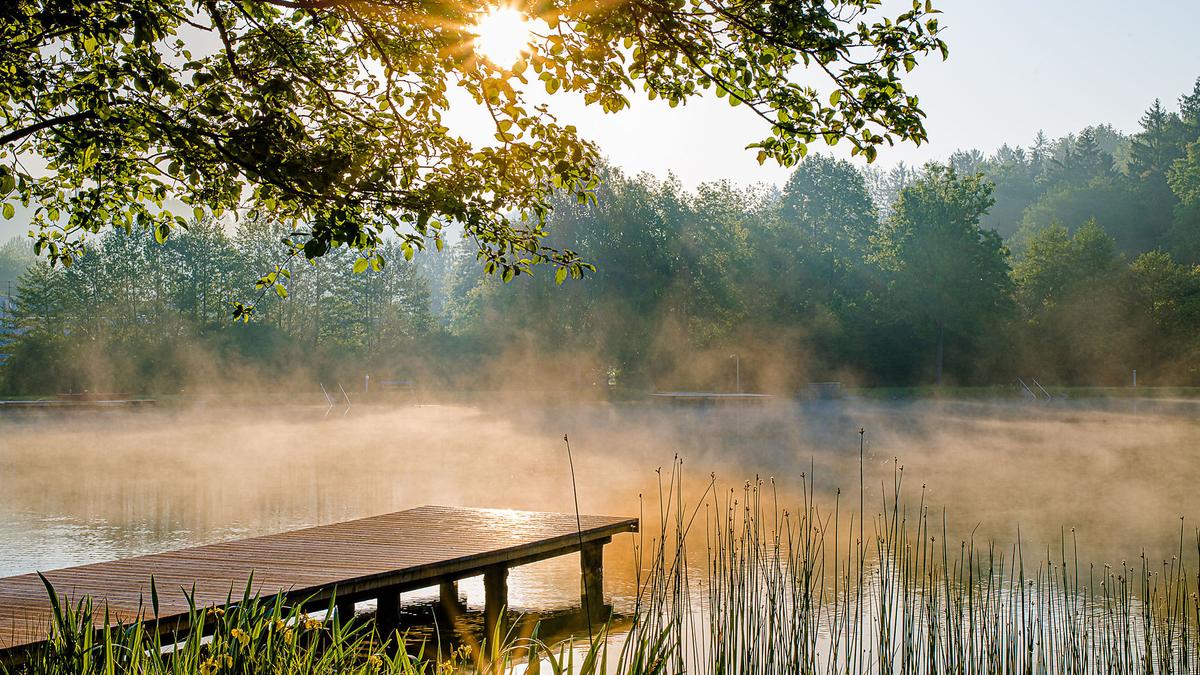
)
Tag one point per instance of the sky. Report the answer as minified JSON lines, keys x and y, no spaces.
{"x":1015,"y":67}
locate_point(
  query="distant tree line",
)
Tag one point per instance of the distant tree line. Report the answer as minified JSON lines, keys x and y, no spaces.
{"x":1073,"y":261}
{"x":134,"y":315}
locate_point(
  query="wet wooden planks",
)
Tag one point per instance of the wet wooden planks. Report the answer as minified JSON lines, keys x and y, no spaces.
{"x":356,"y":559}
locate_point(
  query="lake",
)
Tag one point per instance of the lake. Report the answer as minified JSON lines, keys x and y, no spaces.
{"x":88,"y":486}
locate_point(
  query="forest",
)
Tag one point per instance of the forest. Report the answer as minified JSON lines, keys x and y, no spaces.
{"x":1072,"y":260}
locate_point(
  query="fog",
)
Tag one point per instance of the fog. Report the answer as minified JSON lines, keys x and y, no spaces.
{"x":82,"y":487}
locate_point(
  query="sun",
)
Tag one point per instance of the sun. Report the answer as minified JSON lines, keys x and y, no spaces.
{"x":502,"y":35}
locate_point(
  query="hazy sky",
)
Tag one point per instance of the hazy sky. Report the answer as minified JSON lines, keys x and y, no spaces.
{"x":1016,"y":66}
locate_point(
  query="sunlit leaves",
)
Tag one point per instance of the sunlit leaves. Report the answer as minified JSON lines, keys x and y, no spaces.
{"x":329,"y":118}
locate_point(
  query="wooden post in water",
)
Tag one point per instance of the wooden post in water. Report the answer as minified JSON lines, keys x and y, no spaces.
{"x":344,"y":609}
{"x":591,"y":567}
{"x":387,"y":616}
{"x":448,"y":595}
{"x":495,"y":591}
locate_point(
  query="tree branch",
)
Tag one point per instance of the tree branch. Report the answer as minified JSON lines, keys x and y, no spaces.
{"x":305,"y":4}
{"x":14,"y":136}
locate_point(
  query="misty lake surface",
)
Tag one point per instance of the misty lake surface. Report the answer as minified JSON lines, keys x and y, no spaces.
{"x":85,"y":487}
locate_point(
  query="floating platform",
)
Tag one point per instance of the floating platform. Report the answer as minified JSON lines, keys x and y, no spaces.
{"x":702,"y":397}
{"x":77,"y":404}
{"x":371,"y":558}
{"x":87,"y":400}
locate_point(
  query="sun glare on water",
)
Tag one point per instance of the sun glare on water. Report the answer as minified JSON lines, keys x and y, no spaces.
{"x":502,"y":35}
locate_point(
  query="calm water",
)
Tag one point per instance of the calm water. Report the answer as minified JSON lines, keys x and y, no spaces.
{"x":85,"y":487}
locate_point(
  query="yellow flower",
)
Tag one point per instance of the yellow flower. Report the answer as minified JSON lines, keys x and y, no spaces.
{"x":289,"y":636}
{"x":240,"y":635}
{"x":375,"y":661}
{"x":209,"y":667}
{"x":218,"y":611}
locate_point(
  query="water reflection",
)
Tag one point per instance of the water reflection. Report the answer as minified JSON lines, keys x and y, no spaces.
{"x":78,"y":488}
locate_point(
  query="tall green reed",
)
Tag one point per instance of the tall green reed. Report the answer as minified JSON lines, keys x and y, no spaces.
{"x":803,"y":591}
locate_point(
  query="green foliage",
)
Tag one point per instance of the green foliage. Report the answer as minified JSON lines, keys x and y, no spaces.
{"x":1183,"y":238}
{"x":861,"y":274}
{"x":810,"y":284}
{"x":1122,"y":208}
{"x":16,"y":255}
{"x":1081,"y":318}
{"x":271,"y":635}
{"x":136,"y":316}
{"x":945,"y":270}
{"x":825,"y":205}
{"x":1184,"y":175}
{"x":1169,"y":294}
{"x":327,"y":115}
{"x":1120,"y":181}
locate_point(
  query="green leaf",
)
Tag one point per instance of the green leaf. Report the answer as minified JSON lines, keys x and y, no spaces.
{"x":560,"y":275}
{"x":154,"y":596}
{"x":9,"y":211}
{"x":281,"y":291}
{"x":361,"y":265}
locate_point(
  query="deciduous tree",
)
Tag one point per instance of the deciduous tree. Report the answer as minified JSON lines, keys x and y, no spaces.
{"x":329,"y":114}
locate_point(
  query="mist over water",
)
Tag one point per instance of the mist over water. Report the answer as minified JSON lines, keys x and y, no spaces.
{"x":86,"y":487}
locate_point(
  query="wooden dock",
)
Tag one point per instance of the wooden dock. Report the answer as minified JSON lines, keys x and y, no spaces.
{"x":709,"y":397}
{"x":371,"y":558}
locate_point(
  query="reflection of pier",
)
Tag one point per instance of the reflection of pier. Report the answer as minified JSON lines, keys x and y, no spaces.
{"x":368,"y":559}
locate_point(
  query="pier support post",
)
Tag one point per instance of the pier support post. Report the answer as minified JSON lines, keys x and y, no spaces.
{"x":387,"y":616}
{"x":495,"y":591}
{"x":450,"y":602}
{"x":591,"y":567}
{"x":344,"y":609}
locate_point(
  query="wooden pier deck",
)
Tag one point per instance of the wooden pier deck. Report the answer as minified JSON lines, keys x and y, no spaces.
{"x":370,"y":558}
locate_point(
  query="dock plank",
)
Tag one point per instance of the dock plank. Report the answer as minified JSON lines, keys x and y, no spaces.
{"x":402,"y":549}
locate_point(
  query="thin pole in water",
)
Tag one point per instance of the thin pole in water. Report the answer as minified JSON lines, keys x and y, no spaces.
{"x":587,"y":608}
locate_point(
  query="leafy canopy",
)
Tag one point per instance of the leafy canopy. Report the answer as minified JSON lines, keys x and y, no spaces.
{"x":328,"y":114}
{"x":945,"y":268}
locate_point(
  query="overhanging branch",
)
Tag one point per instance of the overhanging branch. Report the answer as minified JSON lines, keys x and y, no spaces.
{"x":17,"y":135}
